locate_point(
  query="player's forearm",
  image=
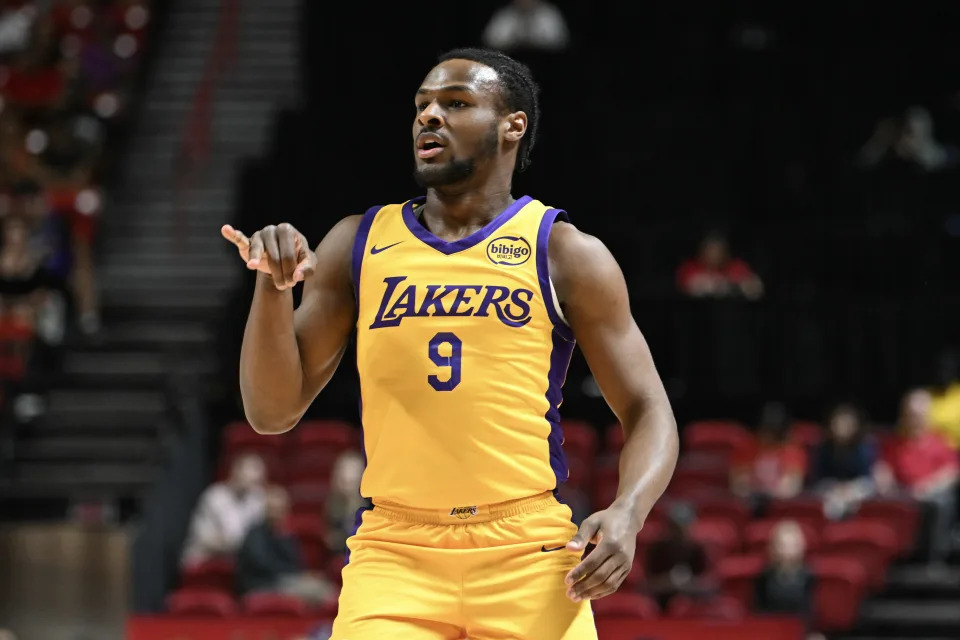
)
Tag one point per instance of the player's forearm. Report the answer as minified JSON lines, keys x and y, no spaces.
{"x":271,"y":373}
{"x":647,"y":460}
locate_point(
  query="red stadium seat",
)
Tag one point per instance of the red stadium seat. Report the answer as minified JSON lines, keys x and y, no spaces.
{"x":637,"y":573}
{"x":274,"y":604}
{"x":871,"y":542}
{"x":581,"y":473}
{"x":335,"y":566}
{"x":709,"y":479}
{"x":726,"y":507}
{"x":840,"y":589}
{"x":634,"y":605}
{"x":329,"y":435}
{"x":904,"y":517}
{"x":803,"y":510}
{"x":309,"y":530}
{"x":211,"y":574}
{"x":308,"y":498}
{"x":211,"y":603}
{"x":719,"y":536}
{"x":756,"y":538}
{"x":614,"y":438}
{"x":712,"y":461}
{"x":606,"y":483}
{"x":311,"y":465}
{"x":715,"y":608}
{"x":719,"y":436}
{"x":806,"y":434}
{"x":579,"y":439}
{"x":737,"y":574}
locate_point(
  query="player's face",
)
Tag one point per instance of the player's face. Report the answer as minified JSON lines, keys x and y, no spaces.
{"x":457,"y":125}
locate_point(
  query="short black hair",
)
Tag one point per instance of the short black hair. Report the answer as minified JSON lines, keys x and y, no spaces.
{"x":518,"y":91}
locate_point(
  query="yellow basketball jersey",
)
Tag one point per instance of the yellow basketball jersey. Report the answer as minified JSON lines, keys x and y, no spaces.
{"x":462,"y":353}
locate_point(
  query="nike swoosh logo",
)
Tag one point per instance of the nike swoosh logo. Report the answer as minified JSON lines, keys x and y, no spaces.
{"x":545,"y":550}
{"x":374,"y":250}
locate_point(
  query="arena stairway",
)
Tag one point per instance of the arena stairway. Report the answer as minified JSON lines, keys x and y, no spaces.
{"x":917,"y":603}
{"x":164,"y":272}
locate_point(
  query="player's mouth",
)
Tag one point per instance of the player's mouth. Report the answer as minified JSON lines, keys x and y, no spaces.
{"x":430,"y":145}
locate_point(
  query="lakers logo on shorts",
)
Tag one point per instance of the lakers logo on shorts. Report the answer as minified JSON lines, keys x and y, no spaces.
{"x":463,"y":512}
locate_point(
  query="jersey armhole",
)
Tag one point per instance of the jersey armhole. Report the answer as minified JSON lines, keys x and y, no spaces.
{"x":360,"y":247}
{"x":547,"y":290}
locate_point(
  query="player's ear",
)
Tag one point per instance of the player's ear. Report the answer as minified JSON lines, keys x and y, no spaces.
{"x":514,"y":126}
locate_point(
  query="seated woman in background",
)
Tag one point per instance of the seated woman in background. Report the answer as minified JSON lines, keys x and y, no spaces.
{"x":786,"y":585}
{"x":344,"y":500}
{"x":927,"y":469}
{"x":714,"y":273}
{"x":847,"y":469}
{"x":769,"y":466}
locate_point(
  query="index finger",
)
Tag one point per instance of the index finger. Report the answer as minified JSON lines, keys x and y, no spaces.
{"x":234,"y":235}
{"x":588,"y":565}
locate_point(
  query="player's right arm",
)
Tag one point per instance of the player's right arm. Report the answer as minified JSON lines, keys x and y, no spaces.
{"x":289,"y":355}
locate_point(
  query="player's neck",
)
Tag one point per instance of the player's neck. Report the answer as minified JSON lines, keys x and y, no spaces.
{"x":475,"y":207}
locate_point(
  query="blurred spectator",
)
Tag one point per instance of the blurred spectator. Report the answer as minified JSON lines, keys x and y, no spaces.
{"x":675,"y":564}
{"x":945,"y":400}
{"x":769,"y":466}
{"x":22,"y":278}
{"x":16,"y":23}
{"x":269,"y":559}
{"x":786,"y":585}
{"x":527,"y":24}
{"x":226,"y":511}
{"x":344,"y":500}
{"x":927,"y":468}
{"x":847,"y":469}
{"x":714,"y":273}
{"x":7,"y":635}
{"x":910,"y":140}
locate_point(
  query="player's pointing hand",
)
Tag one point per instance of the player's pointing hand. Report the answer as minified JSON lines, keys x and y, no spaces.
{"x":279,"y":251}
{"x":602,"y":572}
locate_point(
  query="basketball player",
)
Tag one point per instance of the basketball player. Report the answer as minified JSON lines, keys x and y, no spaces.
{"x":466,"y":304}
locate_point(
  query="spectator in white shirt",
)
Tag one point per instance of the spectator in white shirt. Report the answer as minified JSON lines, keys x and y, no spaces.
{"x":226,"y":511}
{"x":527,"y":24}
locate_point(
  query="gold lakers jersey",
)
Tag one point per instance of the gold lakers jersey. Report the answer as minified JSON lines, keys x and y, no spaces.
{"x":462,"y":352}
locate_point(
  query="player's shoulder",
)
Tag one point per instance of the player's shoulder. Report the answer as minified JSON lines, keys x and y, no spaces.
{"x":578,"y":259}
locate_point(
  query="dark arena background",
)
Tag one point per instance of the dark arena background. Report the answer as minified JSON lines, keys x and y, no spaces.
{"x":780,"y":183}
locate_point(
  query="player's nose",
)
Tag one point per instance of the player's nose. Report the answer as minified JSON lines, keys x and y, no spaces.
{"x":432,"y":115}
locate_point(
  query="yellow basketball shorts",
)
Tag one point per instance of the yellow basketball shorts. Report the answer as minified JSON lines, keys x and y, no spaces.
{"x":493,"y":572}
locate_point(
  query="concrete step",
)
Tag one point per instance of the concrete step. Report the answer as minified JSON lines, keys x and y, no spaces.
{"x":130,"y":448}
{"x":92,"y":411}
{"x":163,"y":336}
{"x":73,"y":478}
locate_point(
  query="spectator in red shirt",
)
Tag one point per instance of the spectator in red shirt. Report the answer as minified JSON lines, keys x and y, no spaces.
{"x":714,"y":273}
{"x":927,"y":468}
{"x":769,"y":466}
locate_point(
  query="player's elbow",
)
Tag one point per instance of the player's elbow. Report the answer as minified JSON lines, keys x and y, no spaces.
{"x":267,"y":422}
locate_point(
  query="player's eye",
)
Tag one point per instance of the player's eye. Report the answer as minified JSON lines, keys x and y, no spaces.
{"x":457,"y":104}
{"x":422,"y":105}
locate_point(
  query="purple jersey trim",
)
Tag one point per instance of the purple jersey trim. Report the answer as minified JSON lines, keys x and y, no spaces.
{"x":559,"y":362}
{"x":543,"y":270}
{"x":446,"y":248}
{"x":563,"y":344}
{"x":360,"y":247}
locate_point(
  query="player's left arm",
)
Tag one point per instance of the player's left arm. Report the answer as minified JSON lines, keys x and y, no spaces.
{"x":593,"y":297}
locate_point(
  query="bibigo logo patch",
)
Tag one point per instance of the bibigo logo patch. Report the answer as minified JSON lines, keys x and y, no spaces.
{"x":509,"y":250}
